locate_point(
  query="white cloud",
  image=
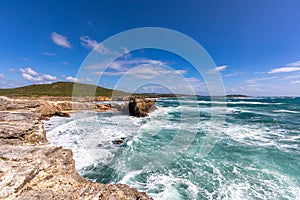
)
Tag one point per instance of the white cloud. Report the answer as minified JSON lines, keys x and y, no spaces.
{"x":233,"y":74}
{"x":294,"y":64}
{"x":89,"y":43}
{"x":72,"y":79}
{"x":28,"y":70}
{"x":218,"y":69}
{"x":291,"y":67}
{"x":40,"y":78}
{"x":126,"y":52}
{"x":87,"y":79}
{"x":48,"y":77}
{"x":295,"y":82}
{"x":86,"y":41}
{"x":284,"y":70}
{"x":149,"y":72}
{"x":1,"y":76}
{"x":253,"y":81}
{"x":116,"y":66}
{"x":49,"y":54}
{"x":292,"y":77}
{"x":145,"y":72}
{"x":31,"y":75}
{"x":123,"y":65}
{"x":99,"y":47}
{"x":110,"y":73}
{"x":60,"y":40}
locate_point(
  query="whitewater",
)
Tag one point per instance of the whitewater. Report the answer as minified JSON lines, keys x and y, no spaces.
{"x":256,"y":154}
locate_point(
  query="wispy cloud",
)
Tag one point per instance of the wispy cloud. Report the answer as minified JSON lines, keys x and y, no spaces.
{"x":197,"y":85}
{"x":49,"y":54}
{"x":29,"y":71}
{"x":291,"y":67}
{"x":89,"y":43}
{"x":295,"y":82}
{"x":233,"y":74}
{"x":74,"y":79}
{"x":255,"y":80}
{"x":217,"y":69}
{"x":123,"y":65}
{"x":144,"y":72}
{"x":110,"y":73}
{"x":294,"y":64}
{"x":259,"y":72}
{"x":11,"y":70}
{"x":24,"y":59}
{"x":139,"y":68}
{"x":60,"y":40}
{"x":32,"y":76}
{"x":65,"y":63}
{"x":292,"y":77}
{"x":150,"y":72}
{"x":1,"y":76}
{"x":40,"y":78}
{"x":284,"y":70}
{"x":99,"y":47}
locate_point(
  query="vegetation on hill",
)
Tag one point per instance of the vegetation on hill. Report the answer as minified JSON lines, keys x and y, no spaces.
{"x":66,"y":89}
{"x":63,"y":89}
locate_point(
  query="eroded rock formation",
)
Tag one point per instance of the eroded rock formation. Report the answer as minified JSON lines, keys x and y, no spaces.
{"x":137,"y":107}
{"x":32,"y":168}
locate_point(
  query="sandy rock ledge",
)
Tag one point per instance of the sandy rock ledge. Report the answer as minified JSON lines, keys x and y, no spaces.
{"x":32,"y":168}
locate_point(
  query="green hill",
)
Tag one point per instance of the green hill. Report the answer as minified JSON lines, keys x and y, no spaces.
{"x":64,"y":89}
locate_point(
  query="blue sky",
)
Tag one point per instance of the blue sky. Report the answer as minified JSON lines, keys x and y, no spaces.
{"x":255,"y":44}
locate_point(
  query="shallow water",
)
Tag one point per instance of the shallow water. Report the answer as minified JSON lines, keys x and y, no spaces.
{"x":256,"y":155}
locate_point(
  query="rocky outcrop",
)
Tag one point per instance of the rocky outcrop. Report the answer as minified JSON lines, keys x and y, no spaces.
{"x":120,"y":98}
{"x":103,"y":107}
{"x":102,"y":98}
{"x":32,"y":168}
{"x":49,"y":109}
{"x":137,"y":107}
{"x":141,"y":107}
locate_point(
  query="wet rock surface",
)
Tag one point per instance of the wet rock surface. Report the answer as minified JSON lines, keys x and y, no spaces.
{"x":32,"y":168}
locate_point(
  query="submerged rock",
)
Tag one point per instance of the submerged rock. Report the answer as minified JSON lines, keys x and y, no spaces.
{"x":119,"y":141}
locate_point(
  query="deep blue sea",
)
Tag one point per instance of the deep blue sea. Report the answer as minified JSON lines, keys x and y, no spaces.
{"x":255,"y":151}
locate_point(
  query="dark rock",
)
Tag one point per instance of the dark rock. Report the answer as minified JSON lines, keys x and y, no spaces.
{"x":137,"y":107}
{"x":61,"y":114}
{"x":119,"y":141}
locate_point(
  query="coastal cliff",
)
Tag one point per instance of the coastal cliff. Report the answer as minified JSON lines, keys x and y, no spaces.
{"x":32,"y":168}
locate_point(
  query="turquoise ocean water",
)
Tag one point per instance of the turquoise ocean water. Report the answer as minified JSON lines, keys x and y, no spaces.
{"x":256,"y":156}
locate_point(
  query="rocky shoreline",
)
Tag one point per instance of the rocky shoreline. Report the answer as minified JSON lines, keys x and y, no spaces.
{"x":32,"y":168}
